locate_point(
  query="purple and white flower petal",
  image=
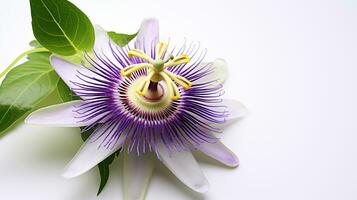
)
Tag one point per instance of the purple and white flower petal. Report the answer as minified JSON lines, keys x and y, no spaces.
{"x":148,"y":36}
{"x":92,"y":152}
{"x":60,"y":115}
{"x":101,"y":40}
{"x":236,"y":109}
{"x":219,"y":72}
{"x":70,"y":72}
{"x":136,"y":176}
{"x":185,"y":167}
{"x":219,"y":152}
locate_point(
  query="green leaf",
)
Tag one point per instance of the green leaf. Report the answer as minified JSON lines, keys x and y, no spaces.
{"x":104,"y":172}
{"x":76,"y":58}
{"x":61,"y":27}
{"x":35,"y":44}
{"x":24,"y":87}
{"x":121,"y":39}
{"x":65,"y":93}
{"x":79,"y":58}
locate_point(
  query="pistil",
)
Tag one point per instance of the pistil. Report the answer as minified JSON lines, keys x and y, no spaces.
{"x":155,"y":92}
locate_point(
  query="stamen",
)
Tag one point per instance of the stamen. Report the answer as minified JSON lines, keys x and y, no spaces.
{"x":186,"y":84}
{"x":181,"y":59}
{"x":172,"y":87}
{"x":139,"y":53}
{"x":161,"y":49}
{"x":132,"y":68}
{"x":157,"y":70}
{"x":176,"y":92}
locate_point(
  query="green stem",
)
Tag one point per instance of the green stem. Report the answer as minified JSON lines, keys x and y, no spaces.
{"x":7,"y":69}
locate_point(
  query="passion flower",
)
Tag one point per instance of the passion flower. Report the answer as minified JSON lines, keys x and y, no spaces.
{"x":146,"y":100}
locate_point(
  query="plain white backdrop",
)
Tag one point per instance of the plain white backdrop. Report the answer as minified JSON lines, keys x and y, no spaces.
{"x":292,"y":62}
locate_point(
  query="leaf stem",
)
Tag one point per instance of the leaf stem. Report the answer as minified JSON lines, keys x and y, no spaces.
{"x":8,"y":68}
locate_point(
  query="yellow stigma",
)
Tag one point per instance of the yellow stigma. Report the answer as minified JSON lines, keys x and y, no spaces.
{"x":157,"y":70}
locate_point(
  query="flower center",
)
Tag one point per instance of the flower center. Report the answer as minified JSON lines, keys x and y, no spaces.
{"x":155,"y":100}
{"x":157,"y":71}
{"x":155,"y":92}
{"x":159,"y":64}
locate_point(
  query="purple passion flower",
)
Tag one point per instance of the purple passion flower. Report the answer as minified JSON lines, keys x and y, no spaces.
{"x":150,"y":101}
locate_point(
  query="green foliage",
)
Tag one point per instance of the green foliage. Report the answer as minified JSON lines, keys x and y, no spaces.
{"x":76,"y":58}
{"x":65,"y":93}
{"x":35,"y":44}
{"x":121,"y":39}
{"x":61,"y":27}
{"x":104,"y":171}
{"x":24,"y":87}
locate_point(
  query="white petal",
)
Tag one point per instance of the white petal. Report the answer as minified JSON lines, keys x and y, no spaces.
{"x":60,"y":115}
{"x":137,"y":173}
{"x":235,"y":109}
{"x":219,"y":72}
{"x":89,"y":155}
{"x":68,"y":71}
{"x":102,"y":40}
{"x":219,"y":152}
{"x":148,"y":36}
{"x":185,"y":168}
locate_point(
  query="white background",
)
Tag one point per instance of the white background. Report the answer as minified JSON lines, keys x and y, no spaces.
{"x":293,"y":63}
